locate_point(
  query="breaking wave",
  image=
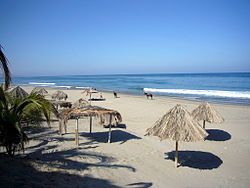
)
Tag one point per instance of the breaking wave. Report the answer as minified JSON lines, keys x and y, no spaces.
{"x":211,"y":93}
{"x":42,"y":83}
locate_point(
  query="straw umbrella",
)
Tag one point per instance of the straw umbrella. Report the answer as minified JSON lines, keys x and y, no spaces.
{"x":207,"y":113}
{"x":106,"y":116}
{"x":18,"y":92}
{"x":80,"y":103}
{"x":41,"y":91}
{"x":59,"y":95}
{"x":178,"y":125}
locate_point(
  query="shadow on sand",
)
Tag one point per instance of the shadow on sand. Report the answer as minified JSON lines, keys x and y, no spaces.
{"x":16,"y":172}
{"x":196,"y":159}
{"x":117,"y":136}
{"x":97,"y":99}
{"x":36,"y":129}
{"x":140,"y":185}
{"x":218,"y":135}
{"x":83,"y":159}
{"x":120,"y":125}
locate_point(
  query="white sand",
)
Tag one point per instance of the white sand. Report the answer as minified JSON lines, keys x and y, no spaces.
{"x":135,"y":160}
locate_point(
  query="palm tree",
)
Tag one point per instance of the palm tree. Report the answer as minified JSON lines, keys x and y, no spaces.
{"x":13,"y":116}
{"x":5,"y":68}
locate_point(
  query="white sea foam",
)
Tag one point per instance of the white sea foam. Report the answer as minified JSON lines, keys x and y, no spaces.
{"x":80,"y":87}
{"x":42,"y":83}
{"x":68,"y":87}
{"x":213,"y":93}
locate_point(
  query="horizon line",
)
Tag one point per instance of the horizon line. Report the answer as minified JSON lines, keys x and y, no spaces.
{"x":127,"y":74}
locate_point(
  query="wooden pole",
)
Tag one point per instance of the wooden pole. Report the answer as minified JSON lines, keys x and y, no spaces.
{"x":204,"y":124}
{"x":90,"y":125}
{"x":176,"y":154}
{"x":110,"y":119}
{"x":76,"y":133}
{"x":60,"y":126}
{"x":90,"y":98}
{"x":65,"y":126}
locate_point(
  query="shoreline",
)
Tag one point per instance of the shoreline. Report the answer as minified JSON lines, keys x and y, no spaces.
{"x":138,"y":95}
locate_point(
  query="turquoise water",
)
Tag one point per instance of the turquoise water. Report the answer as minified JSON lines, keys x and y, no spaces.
{"x":218,"y":87}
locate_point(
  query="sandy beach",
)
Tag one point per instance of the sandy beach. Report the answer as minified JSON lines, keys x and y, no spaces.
{"x":133,"y":159}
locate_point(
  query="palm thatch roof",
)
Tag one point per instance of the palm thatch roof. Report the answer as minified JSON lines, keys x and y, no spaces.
{"x":41,"y":91}
{"x":59,"y":95}
{"x":103,"y":114}
{"x":207,"y":113}
{"x":178,"y":125}
{"x":80,"y":103}
{"x":18,"y":92}
{"x":106,"y":117}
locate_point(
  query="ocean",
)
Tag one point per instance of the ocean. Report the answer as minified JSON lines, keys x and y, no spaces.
{"x":232,"y":88}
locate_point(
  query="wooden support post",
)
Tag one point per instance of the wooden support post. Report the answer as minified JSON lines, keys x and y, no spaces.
{"x":76,"y":133}
{"x":110,"y":119}
{"x":60,"y":126}
{"x":90,"y":124}
{"x":204,"y":124}
{"x":176,"y":154}
{"x":65,"y":127}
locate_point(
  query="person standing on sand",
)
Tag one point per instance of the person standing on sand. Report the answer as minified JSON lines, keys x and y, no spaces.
{"x":115,"y":94}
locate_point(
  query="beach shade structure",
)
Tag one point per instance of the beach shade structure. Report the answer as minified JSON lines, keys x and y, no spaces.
{"x":178,"y":125}
{"x":89,"y":92}
{"x":80,"y":103}
{"x":62,"y":104}
{"x":41,"y":91}
{"x":59,"y":95}
{"x":18,"y":92}
{"x":106,"y":117}
{"x":206,"y":112}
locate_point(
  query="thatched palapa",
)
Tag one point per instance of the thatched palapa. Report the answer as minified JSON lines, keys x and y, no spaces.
{"x":106,"y":117}
{"x":178,"y":125}
{"x":206,"y":112}
{"x":18,"y":92}
{"x":41,"y":91}
{"x":59,"y":95}
{"x":80,"y":103}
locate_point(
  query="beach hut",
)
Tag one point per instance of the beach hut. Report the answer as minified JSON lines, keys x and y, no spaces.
{"x":41,"y":91}
{"x":59,"y":95}
{"x":178,"y":125}
{"x":106,"y":117}
{"x":206,"y":112}
{"x":18,"y":92}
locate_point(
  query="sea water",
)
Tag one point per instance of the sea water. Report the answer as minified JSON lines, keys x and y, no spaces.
{"x":216,"y":87}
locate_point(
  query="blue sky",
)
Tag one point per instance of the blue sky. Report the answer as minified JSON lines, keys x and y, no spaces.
{"x":125,"y":36}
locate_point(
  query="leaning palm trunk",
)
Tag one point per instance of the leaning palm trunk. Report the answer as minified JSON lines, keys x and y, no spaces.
{"x":5,"y":68}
